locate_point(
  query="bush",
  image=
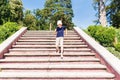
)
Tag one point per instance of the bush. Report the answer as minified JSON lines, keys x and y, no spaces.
{"x":117,"y":46}
{"x":2,"y":34}
{"x":118,"y":34}
{"x":104,"y":35}
{"x":93,"y":29}
{"x":11,"y":27}
{"x":114,"y":51}
{"x":8,"y":29}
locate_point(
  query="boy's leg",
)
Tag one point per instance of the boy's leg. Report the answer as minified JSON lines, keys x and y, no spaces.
{"x":57,"y":44}
{"x":0,"y":69}
{"x":61,"y":45}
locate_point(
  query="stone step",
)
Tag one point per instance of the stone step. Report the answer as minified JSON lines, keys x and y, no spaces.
{"x":58,"y":79}
{"x":59,"y":70}
{"x":46,"y":59}
{"x":53,"y":67}
{"x":48,"y":46}
{"x":49,"y":38}
{"x":27,"y":35}
{"x":48,"y":35}
{"x":47,"y":43}
{"x":56,"y":75}
{"x":54,"y":63}
{"x":40,"y":33}
{"x":49,"y":54}
{"x":57,"y":55}
{"x":47,"y":32}
{"x":53,"y":36}
{"x":49,"y":50}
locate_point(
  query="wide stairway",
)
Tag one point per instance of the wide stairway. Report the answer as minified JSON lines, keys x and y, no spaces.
{"x":33,"y":57}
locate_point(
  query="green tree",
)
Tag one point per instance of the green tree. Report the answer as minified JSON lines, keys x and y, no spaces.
{"x":16,"y":10}
{"x":11,"y":10}
{"x":59,"y":10}
{"x":113,"y":12}
{"x":4,"y":11}
{"x":29,"y":20}
{"x":42,"y":18}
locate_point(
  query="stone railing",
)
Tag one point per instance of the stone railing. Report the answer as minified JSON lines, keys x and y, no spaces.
{"x":7,"y":44}
{"x":107,"y":58}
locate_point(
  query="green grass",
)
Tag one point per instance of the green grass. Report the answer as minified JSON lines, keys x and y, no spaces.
{"x":113,"y":51}
{"x":1,"y":41}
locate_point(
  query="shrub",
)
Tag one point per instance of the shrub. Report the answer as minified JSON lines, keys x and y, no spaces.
{"x":114,"y":51}
{"x":8,"y":29}
{"x":2,"y":34}
{"x":118,"y":34}
{"x":117,"y":46}
{"x":11,"y":27}
{"x":104,"y":35}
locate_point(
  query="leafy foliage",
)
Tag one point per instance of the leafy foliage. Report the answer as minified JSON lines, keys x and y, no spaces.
{"x":30,"y":20}
{"x":118,"y":34}
{"x":42,"y":19}
{"x":11,"y":10}
{"x":4,"y":11}
{"x":114,"y":51}
{"x":117,"y":46}
{"x":105,"y":35}
{"x":16,"y":10}
{"x":113,"y":13}
{"x":8,"y":29}
{"x":55,"y":10}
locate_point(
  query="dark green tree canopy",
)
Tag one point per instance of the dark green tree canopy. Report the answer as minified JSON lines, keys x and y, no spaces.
{"x":113,"y":13}
{"x":16,"y":10}
{"x":4,"y":11}
{"x":11,"y":10}
{"x":59,"y":10}
{"x":29,"y":20}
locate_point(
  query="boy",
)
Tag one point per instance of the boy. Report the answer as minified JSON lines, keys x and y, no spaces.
{"x":60,"y":37}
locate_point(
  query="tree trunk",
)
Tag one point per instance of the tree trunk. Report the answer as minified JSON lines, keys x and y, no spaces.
{"x":102,"y":14}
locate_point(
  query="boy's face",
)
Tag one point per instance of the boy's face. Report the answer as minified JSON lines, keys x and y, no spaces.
{"x":59,"y":25}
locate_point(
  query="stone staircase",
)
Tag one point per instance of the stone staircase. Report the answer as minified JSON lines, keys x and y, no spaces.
{"x":33,"y":57}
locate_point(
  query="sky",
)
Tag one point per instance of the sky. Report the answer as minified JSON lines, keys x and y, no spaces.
{"x":84,"y":14}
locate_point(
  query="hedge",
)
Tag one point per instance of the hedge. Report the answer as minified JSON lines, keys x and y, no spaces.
{"x":7,"y":30}
{"x":104,"y":35}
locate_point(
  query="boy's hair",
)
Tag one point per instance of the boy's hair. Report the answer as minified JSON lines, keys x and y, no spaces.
{"x":59,"y":22}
